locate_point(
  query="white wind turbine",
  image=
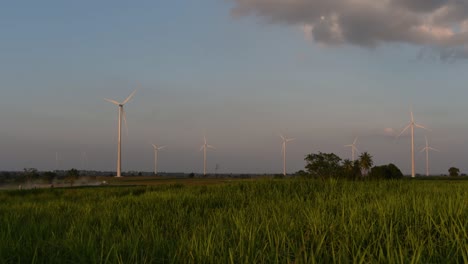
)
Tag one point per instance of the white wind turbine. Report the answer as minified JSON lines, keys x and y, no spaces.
{"x":204,"y":147}
{"x":283,"y":150}
{"x":411,"y":125}
{"x":427,"y":148}
{"x":353,"y":148}
{"x":119,"y":138}
{"x":156,"y":150}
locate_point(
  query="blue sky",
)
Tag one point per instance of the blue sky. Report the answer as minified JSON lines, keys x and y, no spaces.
{"x":241,"y":80}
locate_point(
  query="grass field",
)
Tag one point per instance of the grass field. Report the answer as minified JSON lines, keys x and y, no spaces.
{"x":254,"y":221}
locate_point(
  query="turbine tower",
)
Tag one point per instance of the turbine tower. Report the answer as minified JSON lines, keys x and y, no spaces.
{"x":119,"y":129}
{"x":156,"y":149}
{"x":353,"y":148}
{"x":204,"y":147}
{"x":283,"y":150}
{"x":411,"y":125}
{"x":427,"y":148}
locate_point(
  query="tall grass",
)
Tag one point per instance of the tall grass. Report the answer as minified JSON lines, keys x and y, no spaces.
{"x":266,"y":221}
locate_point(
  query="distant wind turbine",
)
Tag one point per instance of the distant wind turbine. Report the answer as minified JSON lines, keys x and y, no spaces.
{"x":353,"y":148}
{"x":411,"y":125}
{"x":204,"y":147}
{"x":119,"y":138}
{"x":427,"y":148}
{"x":283,"y":150}
{"x":156,"y":150}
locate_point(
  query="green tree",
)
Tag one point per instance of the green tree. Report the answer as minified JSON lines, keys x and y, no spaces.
{"x":49,"y":176}
{"x":323,"y":165}
{"x":72,"y":175}
{"x":301,"y":173}
{"x":348,"y":169}
{"x":453,"y":172}
{"x":365,"y":162}
{"x":348,"y":165}
{"x":389,"y":171}
{"x":30,"y":174}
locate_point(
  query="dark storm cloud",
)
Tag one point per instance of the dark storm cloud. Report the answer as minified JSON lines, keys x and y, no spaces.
{"x":439,"y":24}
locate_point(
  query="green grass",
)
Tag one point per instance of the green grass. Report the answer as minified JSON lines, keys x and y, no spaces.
{"x":264,"y":221}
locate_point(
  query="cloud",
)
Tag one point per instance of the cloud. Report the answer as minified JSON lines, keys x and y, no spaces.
{"x":440,"y":25}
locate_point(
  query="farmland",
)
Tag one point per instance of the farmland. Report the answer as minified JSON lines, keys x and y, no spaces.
{"x":243,"y":221}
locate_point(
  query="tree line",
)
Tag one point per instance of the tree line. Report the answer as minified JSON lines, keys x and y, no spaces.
{"x":329,"y":165}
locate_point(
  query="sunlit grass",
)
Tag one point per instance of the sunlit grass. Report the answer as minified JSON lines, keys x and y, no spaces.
{"x":266,"y":221}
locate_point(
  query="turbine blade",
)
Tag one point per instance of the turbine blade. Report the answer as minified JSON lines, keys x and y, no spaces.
{"x":348,"y":146}
{"x":290,"y":139}
{"x":129,"y":97}
{"x":421,"y":126}
{"x":112,"y":101}
{"x":431,"y":148}
{"x":412,"y":117}
{"x":202,"y":147}
{"x":154,"y":146}
{"x":204,"y":138}
{"x":355,"y":140}
{"x":403,"y":131}
{"x":282,"y":137}
{"x":423,"y":149}
{"x":209,"y":146}
{"x":355,"y":149}
{"x":162,"y":147}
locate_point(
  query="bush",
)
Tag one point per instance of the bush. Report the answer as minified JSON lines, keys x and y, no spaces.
{"x":389,"y":171}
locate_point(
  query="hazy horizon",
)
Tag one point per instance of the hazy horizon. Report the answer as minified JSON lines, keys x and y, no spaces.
{"x":238,"y":71}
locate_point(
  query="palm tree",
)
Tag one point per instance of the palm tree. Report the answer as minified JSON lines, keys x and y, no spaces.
{"x":365,"y":162}
{"x":348,"y":165}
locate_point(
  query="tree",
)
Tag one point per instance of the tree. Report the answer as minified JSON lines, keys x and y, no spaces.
{"x":49,"y":176}
{"x":351,"y":169}
{"x":301,"y":173}
{"x":365,"y":162}
{"x":72,"y":175}
{"x":323,"y":165}
{"x":389,"y":171}
{"x":348,"y":166}
{"x":30,"y":174}
{"x":453,"y":172}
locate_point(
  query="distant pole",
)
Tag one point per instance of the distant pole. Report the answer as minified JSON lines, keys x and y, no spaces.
{"x":412,"y":149}
{"x":155,"y":161}
{"x":204,"y":160}
{"x":427,"y":161}
{"x":119,"y":143}
{"x":284,"y":158}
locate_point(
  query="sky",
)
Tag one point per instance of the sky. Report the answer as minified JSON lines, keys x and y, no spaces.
{"x":240,"y":72}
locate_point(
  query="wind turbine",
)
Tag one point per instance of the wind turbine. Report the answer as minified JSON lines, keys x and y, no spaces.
{"x":204,"y":147}
{"x":427,"y":148}
{"x":156,"y":149}
{"x":353,"y":148}
{"x":411,"y":125}
{"x":283,"y":150}
{"x":119,"y":130}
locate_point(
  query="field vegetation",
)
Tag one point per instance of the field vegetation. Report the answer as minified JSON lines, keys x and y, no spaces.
{"x":257,"y":221}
